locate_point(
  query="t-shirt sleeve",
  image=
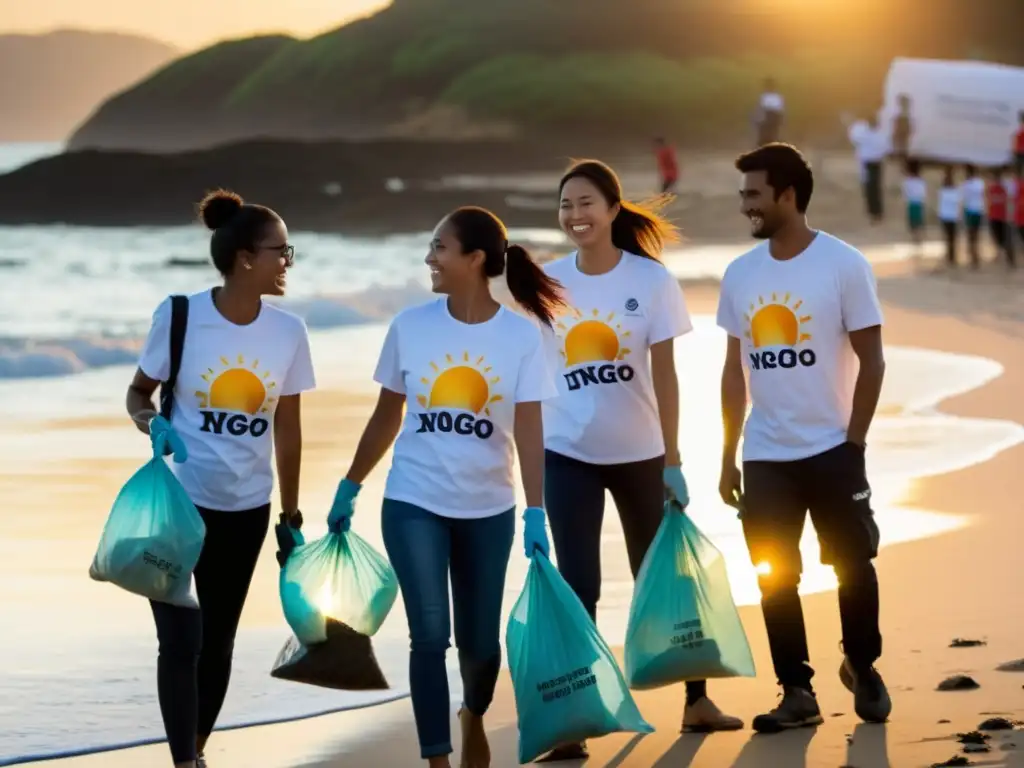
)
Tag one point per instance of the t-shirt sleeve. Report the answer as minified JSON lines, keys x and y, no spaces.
{"x":155,"y":358}
{"x":670,"y":317}
{"x":536,"y":379}
{"x":389,"y":368}
{"x":300,"y":377}
{"x":726,"y":315}
{"x":860,"y":304}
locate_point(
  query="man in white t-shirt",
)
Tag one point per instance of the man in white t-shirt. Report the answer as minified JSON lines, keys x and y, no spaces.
{"x":802,"y":316}
{"x":871,"y":145}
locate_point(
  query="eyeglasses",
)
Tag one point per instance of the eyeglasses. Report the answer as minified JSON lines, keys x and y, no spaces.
{"x":286,"y":251}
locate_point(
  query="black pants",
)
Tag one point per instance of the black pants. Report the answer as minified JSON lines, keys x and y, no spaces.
{"x":574,"y":495}
{"x":1002,"y":238}
{"x":833,"y":487}
{"x":873,"y":192}
{"x":949,"y":229}
{"x":194,"y":664}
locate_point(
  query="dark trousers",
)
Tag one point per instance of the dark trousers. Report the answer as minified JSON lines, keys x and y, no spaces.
{"x":873,"y":191}
{"x":196,"y":646}
{"x":833,"y":487}
{"x":574,"y":494}
{"x":423,"y":549}
{"x":949,"y":229}
{"x":1002,"y":238}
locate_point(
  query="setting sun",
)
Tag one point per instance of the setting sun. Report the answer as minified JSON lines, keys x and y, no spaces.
{"x":238,"y":388}
{"x":776,"y":322}
{"x":462,"y":386}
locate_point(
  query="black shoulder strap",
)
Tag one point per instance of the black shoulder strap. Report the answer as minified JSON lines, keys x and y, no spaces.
{"x":179,"y":323}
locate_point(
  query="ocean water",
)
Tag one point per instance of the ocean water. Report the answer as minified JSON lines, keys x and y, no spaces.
{"x":78,"y":670}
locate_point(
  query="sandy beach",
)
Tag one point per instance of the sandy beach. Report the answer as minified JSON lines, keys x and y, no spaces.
{"x":963,"y":584}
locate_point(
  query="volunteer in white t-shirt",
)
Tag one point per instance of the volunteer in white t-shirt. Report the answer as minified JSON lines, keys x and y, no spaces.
{"x":950,"y":201}
{"x":613,"y":426}
{"x":972,"y":192}
{"x":871,"y":144}
{"x":244,"y":365}
{"x":469,"y":375}
{"x":771,"y":107}
{"x":802,"y":316}
{"x":915,"y":195}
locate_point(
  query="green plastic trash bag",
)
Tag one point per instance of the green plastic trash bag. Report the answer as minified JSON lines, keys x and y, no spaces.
{"x":683,"y":623}
{"x":568,"y":687}
{"x":338,"y":577}
{"x":153,"y":536}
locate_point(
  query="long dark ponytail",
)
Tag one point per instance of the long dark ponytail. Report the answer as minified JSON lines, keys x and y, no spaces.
{"x":478,"y":229}
{"x":639,"y":227}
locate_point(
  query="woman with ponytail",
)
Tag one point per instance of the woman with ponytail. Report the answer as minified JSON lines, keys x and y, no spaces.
{"x":613,"y":426}
{"x":461,"y":382}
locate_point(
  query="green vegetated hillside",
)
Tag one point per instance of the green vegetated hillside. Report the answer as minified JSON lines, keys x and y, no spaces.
{"x":691,"y":69}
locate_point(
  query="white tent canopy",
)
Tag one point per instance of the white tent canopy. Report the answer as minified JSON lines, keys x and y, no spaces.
{"x":962,"y":111}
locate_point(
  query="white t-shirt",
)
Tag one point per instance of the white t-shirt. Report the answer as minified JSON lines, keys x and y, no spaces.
{"x":871,"y":143}
{"x":455,"y":453}
{"x":793,"y":319}
{"x":974,"y":195}
{"x":227,"y":391}
{"x":606,"y":411}
{"x":915,"y":189}
{"x":950,"y":199}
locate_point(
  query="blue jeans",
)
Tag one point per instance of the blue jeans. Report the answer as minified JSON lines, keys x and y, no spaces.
{"x":423,"y":548}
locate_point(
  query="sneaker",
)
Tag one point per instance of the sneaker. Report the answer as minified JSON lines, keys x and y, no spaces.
{"x":704,"y":716}
{"x":201,"y":761}
{"x":871,"y":700}
{"x":798,"y":709}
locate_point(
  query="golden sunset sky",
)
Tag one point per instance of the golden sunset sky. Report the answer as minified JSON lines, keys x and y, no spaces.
{"x":185,"y":23}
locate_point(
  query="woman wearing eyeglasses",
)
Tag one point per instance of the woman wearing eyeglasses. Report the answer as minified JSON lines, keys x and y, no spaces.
{"x":236,"y":405}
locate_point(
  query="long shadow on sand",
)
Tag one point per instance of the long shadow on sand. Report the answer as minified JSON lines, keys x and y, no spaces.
{"x":787,"y":749}
{"x":868,"y":747}
{"x":682,"y":752}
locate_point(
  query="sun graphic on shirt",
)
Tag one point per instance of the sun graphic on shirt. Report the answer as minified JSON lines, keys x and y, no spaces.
{"x":589,"y":337}
{"x":776,"y":322}
{"x":461,"y":384}
{"x":238,"y":386}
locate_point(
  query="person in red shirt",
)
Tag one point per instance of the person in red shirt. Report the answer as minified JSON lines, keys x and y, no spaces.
{"x":1018,"y":147}
{"x":668,"y":165}
{"x":997,"y":201}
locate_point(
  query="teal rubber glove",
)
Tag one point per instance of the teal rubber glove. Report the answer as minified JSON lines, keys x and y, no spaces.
{"x":162,"y":434}
{"x":675,"y":486}
{"x":340,"y":518}
{"x":535,"y":535}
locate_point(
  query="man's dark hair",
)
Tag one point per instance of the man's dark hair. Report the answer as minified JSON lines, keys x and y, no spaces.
{"x":785,"y":167}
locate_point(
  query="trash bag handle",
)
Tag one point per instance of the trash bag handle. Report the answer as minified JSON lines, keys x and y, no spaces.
{"x":160,"y":445}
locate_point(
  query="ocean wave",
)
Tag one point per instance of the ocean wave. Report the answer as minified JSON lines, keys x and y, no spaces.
{"x":30,"y":358}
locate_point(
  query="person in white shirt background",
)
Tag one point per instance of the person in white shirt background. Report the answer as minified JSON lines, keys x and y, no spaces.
{"x":950,"y":201}
{"x":469,"y":375}
{"x":915,"y":195}
{"x":972,"y":192}
{"x":770,"y":111}
{"x":803,"y":318}
{"x":614,"y":425}
{"x":244,"y":366}
{"x":871,"y":145}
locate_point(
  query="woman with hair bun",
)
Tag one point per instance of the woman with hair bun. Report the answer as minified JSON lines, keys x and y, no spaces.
{"x":244,"y":365}
{"x":614,"y":425}
{"x":461,"y":380}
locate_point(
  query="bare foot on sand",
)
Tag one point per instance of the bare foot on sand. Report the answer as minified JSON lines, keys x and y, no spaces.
{"x":439,"y":762}
{"x":476,"y":752}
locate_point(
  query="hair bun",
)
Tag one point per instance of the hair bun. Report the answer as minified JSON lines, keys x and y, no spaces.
{"x":219,"y":207}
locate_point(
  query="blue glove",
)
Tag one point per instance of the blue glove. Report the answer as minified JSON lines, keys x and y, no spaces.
{"x":161,"y":433}
{"x":340,"y":517}
{"x":535,"y":535}
{"x":675,"y":486}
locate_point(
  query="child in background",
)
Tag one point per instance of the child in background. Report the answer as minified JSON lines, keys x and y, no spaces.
{"x":973,"y":193}
{"x":950,"y":199}
{"x":998,"y":203}
{"x":915,"y":192}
